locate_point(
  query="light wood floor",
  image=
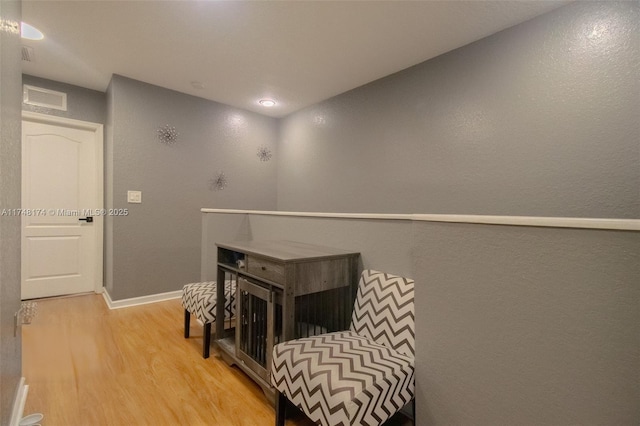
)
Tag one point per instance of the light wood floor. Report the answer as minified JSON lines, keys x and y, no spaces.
{"x":88,"y":365}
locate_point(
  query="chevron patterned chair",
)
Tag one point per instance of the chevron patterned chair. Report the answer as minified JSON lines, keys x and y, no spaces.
{"x":199,"y":299}
{"x":362,"y":376}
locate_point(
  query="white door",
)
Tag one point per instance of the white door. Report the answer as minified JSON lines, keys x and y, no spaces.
{"x":61,"y":189}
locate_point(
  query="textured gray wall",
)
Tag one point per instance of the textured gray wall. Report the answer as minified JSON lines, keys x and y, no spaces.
{"x":82,"y":104}
{"x":156,"y":248}
{"x":526,"y":326}
{"x":522,"y":326}
{"x":540,"y":119}
{"x":515,"y":325}
{"x":10,"y":168}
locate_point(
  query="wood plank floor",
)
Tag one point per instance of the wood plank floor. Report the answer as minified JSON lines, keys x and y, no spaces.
{"x":88,"y":365}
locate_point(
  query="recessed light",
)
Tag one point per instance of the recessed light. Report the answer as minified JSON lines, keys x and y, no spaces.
{"x":197,"y":85}
{"x":267,"y":102}
{"x":30,"y":32}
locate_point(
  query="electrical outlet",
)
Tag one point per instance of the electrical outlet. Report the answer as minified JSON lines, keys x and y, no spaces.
{"x":134,"y":197}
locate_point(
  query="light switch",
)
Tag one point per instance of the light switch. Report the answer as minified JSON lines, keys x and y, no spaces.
{"x":134,"y":197}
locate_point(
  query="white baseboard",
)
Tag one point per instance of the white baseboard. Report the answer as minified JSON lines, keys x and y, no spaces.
{"x":18,"y":402}
{"x":143,"y":300}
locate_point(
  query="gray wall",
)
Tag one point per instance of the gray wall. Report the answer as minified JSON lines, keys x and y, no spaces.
{"x":515,"y":325}
{"x":156,"y":248}
{"x":10,"y":166}
{"x":82,"y":104}
{"x":522,"y":326}
{"x":526,"y":326}
{"x":540,"y":119}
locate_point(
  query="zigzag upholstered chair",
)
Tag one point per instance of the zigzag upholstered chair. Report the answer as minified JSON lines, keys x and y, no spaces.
{"x":361,"y":376}
{"x":199,"y":299}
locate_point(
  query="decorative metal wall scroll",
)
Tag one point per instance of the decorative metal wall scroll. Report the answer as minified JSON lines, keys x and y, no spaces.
{"x":219,"y":182}
{"x":167,"y":134}
{"x":264,"y":153}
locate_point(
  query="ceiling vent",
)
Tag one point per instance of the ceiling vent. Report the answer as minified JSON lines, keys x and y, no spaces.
{"x":28,"y":54}
{"x":38,"y":96}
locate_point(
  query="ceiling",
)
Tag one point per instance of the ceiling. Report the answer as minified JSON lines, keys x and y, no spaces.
{"x":296,"y":52}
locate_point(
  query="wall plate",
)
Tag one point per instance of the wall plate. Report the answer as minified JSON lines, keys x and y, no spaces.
{"x":134,"y":197}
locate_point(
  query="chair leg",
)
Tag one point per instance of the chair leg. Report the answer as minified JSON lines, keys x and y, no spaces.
{"x":206,"y":340}
{"x":187,"y":323}
{"x":413,"y":411}
{"x":281,"y":408}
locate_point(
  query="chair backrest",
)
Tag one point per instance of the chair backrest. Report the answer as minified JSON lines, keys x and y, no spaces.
{"x":384,"y":311}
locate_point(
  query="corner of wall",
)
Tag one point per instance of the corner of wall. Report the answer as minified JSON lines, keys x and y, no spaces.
{"x":108,"y":189}
{"x":10,"y":198}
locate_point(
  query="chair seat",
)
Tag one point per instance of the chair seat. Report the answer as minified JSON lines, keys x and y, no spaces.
{"x":200,"y":300}
{"x":343,"y":378}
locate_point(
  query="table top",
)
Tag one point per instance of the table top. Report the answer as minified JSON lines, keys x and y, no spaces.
{"x":286,"y":251}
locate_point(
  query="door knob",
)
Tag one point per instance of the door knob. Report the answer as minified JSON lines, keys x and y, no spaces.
{"x":87,"y":219}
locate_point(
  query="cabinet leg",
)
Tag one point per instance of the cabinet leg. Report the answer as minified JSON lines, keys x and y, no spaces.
{"x":413,"y":409}
{"x":281,"y":408}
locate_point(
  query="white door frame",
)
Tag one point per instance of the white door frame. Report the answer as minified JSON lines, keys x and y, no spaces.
{"x":98,"y":130}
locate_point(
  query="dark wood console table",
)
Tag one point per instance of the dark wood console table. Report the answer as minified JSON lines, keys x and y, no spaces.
{"x":284,"y":290}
